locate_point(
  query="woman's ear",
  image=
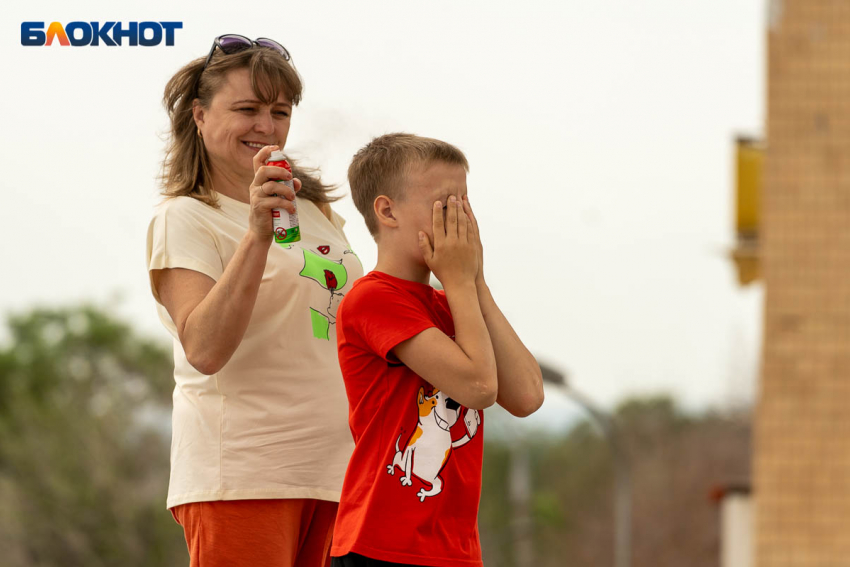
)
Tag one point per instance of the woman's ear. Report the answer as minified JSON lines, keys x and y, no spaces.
{"x":198,"y":113}
{"x":384,"y":208}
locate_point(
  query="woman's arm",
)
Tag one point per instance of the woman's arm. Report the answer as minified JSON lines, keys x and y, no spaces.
{"x":212,"y":316}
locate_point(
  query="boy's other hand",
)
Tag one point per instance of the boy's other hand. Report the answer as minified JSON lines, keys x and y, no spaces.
{"x":453,"y":256}
{"x":475,"y":236}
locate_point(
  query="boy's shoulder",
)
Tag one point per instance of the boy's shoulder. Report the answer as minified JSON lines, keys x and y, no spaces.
{"x":376,"y":288}
{"x":381,"y":296}
{"x":368,"y":289}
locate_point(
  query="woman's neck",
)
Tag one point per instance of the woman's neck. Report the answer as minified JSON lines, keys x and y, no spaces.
{"x":230,"y":183}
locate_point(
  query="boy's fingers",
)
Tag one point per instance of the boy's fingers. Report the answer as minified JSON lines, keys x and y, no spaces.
{"x":451,"y":218}
{"x":468,"y":210}
{"x":462,"y":221}
{"x":425,"y":246}
{"x":439,"y":229}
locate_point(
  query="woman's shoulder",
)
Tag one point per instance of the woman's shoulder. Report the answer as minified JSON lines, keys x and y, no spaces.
{"x":182,"y":215}
{"x":182,"y":205}
{"x":316,"y":207}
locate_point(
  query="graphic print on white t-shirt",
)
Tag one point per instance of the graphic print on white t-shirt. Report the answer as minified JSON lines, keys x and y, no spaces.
{"x":430,"y":446}
{"x":330,"y":275}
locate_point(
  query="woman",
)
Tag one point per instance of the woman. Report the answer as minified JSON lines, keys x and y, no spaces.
{"x":260,"y":438}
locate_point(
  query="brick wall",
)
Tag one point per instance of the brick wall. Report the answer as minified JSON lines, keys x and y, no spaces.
{"x":802,"y":443}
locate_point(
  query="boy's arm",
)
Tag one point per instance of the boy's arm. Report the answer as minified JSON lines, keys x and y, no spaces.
{"x":519,"y":377}
{"x":464,"y":369}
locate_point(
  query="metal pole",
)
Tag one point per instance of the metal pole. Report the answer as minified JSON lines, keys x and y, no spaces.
{"x":622,"y":479}
{"x":519,"y":488}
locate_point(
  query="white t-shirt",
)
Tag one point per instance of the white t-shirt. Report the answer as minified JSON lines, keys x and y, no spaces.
{"x":273,"y":422}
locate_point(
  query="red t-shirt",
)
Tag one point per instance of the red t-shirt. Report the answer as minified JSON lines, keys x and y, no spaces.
{"x":413,"y":483}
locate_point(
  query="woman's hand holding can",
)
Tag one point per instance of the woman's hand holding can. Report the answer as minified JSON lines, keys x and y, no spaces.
{"x":266,"y":193}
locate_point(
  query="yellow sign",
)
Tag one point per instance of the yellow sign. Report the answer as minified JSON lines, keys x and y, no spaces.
{"x":749,"y":155}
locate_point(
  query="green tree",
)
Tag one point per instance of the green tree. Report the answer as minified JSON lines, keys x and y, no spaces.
{"x":84,"y":443}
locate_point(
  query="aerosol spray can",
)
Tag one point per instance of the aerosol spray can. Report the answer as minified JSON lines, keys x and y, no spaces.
{"x":286,"y":228}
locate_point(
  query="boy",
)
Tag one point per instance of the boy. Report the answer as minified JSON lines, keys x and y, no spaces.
{"x":419,"y":364}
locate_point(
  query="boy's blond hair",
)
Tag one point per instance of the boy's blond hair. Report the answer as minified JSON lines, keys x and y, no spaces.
{"x":382,"y":166}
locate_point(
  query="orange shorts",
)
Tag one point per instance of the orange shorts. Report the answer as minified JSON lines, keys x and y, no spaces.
{"x":267,"y":533}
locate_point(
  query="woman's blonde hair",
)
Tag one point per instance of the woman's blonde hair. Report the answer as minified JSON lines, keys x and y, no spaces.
{"x":186,"y":167}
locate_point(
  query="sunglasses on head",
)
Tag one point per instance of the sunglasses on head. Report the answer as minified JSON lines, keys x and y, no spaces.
{"x":233,"y":43}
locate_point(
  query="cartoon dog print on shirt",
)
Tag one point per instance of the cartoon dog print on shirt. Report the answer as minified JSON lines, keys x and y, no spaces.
{"x":430,"y":446}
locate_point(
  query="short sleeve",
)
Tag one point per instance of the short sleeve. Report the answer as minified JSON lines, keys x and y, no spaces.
{"x":179,"y":237}
{"x":339,"y":220}
{"x":383,"y":317}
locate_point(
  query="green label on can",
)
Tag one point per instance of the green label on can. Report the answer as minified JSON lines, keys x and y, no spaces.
{"x":285,"y":236}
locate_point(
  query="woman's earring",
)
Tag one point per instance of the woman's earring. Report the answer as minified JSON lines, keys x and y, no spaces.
{"x":199,"y":132}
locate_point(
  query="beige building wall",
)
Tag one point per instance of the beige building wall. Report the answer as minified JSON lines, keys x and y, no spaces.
{"x":736,"y":530}
{"x":802,"y":443}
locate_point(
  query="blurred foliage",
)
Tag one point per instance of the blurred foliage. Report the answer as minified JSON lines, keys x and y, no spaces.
{"x":84,"y":456}
{"x":84,"y":443}
{"x":675,"y":459}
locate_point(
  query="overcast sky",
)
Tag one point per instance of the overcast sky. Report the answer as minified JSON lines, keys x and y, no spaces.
{"x":600,"y":137}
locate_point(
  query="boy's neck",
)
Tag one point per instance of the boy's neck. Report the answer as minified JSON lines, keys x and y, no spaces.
{"x":400,"y":268}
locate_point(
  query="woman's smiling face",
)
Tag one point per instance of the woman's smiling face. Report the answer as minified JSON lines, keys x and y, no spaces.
{"x":237,"y":124}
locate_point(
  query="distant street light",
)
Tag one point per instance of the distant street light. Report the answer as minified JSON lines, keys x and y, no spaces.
{"x":622,"y":478}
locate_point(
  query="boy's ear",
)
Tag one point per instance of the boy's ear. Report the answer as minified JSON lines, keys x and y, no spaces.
{"x":384,"y":211}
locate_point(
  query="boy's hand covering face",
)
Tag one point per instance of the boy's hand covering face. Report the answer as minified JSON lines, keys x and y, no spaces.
{"x":453,"y":257}
{"x":475,"y":235}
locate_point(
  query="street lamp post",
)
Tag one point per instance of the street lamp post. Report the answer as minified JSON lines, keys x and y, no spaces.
{"x":622,"y":478}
